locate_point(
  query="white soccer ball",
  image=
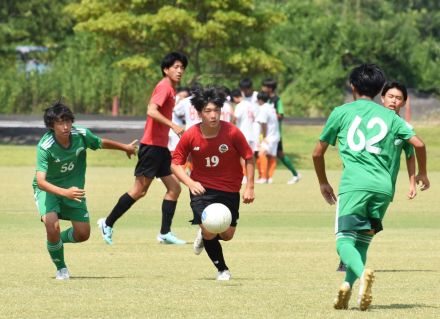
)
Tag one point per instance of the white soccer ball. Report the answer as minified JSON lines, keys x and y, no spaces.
{"x":216,"y":218}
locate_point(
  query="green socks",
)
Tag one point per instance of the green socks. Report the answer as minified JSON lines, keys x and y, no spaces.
{"x":67,"y":236}
{"x":56,"y":252}
{"x":286,"y":161}
{"x":352,"y":247}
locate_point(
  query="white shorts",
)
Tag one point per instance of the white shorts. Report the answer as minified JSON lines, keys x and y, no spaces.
{"x":270,"y":147}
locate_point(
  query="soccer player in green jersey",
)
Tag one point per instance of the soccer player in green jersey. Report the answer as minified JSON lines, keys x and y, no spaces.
{"x":59,"y":180}
{"x":394,"y":96}
{"x":366,"y":132}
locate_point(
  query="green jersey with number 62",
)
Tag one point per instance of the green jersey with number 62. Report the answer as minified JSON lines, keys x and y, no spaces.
{"x":65,"y":167}
{"x":366,"y":132}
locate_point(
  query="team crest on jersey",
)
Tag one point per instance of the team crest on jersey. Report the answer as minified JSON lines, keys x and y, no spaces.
{"x":223,"y":148}
{"x":79,"y":150}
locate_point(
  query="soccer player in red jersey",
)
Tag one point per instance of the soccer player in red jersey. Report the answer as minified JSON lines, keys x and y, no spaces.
{"x":216,"y":148}
{"x":154,"y":157}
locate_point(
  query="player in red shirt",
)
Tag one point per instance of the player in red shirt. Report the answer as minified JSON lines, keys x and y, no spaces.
{"x":154,"y":157}
{"x":216,"y":148}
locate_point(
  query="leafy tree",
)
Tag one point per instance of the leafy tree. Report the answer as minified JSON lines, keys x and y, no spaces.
{"x":224,"y":39}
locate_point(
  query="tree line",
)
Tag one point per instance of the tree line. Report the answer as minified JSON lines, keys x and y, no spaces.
{"x":90,"y":51}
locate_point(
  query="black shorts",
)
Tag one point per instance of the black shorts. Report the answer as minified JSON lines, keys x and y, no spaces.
{"x":280,"y":146}
{"x":153,"y":161}
{"x":211,"y":196}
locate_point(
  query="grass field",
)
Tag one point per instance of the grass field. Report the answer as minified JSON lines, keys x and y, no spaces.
{"x":282,"y":259}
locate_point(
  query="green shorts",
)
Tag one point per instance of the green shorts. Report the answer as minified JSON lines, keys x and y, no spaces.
{"x":65,"y":208}
{"x":361,"y":210}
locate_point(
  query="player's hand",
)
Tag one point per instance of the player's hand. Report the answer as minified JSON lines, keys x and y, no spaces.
{"x":423,"y":181}
{"x":75,"y":193}
{"x":196,"y":188}
{"x":328,"y":194}
{"x":178,"y":130}
{"x":132,"y":149}
{"x":412,"y":192}
{"x":248,"y":195}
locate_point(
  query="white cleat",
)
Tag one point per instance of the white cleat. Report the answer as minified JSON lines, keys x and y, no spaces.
{"x":343,"y":297}
{"x":294,"y":179}
{"x":224,"y":275}
{"x":198,"y":243}
{"x":62,"y":274}
{"x":261,"y":181}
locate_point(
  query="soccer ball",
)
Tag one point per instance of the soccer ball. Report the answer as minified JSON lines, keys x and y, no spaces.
{"x":216,"y":218}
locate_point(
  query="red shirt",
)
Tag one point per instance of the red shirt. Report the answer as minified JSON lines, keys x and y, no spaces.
{"x":164,"y":96}
{"x":216,"y":161}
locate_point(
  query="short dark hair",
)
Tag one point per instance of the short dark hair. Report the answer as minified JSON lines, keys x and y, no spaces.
{"x":395,"y":85}
{"x":235,"y":93}
{"x":210,"y":94}
{"x":368,"y":79}
{"x":196,"y":86}
{"x":245,"y":83}
{"x":263,"y":96}
{"x":171,"y":58}
{"x":182,"y":89}
{"x":270,"y":83}
{"x":57,"y":112}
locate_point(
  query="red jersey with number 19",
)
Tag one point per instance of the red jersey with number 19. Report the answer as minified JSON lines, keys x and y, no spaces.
{"x":216,"y":161}
{"x":156,"y":133}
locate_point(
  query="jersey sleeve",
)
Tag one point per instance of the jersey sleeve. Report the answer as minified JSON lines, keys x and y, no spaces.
{"x":408,"y":149}
{"x":280,"y":107}
{"x":91,"y":140}
{"x":43,"y":157}
{"x":238,"y":112}
{"x":241,"y":144}
{"x":403,"y":129}
{"x":262,"y":115}
{"x":181,"y":152}
{"x":331,"y":128}
{"x":179,"y":109}
{"x":160,"y":95}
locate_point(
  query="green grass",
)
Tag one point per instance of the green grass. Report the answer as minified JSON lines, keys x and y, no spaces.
{"x":282,"y":259}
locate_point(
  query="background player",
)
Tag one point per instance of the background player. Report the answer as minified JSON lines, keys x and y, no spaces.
{"x":60,"y":177}
{"x":366,"y":133}
{"x":216,"y":148}
{"x":269,"y":86}
{"x":154,"y":157}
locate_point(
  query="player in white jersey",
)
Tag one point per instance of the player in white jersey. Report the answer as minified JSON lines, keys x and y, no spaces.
{"x":182,"y":93}
{"x":268,"y":120}
{"x":244,"y":115}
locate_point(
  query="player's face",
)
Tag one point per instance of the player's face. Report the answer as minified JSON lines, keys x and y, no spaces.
{"x":175,"y":72}
{"x":62,"y":128}
{"x":210,"y":115}
{"x":393,"y":100}
{"x":247,"y":92}
{"x":266,"y":89}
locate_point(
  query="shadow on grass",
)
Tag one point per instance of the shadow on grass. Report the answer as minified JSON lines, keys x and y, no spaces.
{"x":401,"y":306}
{"x":405,"y":270}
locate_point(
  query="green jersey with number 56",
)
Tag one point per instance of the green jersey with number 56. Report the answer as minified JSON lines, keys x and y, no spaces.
{"x":65,"y":167}
{"x":366,"y":132}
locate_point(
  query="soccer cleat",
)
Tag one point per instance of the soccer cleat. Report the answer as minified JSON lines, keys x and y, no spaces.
{"x":198,"y":243}
{"x":343,"y":297}
{"x":294,"y":179}
{"x":365,"y":295}
{"x":224,"y":275}
{"x":106,"y":231}
{"x":62,"y":274}
{"x":269,"y":180}
{"x":170,"y":238}
{"x":341,"y":267}
{"x":261,"y":181}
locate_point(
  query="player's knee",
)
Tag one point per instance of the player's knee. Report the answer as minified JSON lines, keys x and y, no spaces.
{"x":81,"y":236}
{"x":227,"y":237}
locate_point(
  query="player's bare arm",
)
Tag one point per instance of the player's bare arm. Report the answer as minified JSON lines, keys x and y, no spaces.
{"x":411,"y":168}
{"x":73,"y":192}
{"x":249,"y":194}
{"x":319,"y":163}
{"x":130,"y":149}
{"x":420,"y":149}
{"x":195,"y":187}
{"x":153,"y":112}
